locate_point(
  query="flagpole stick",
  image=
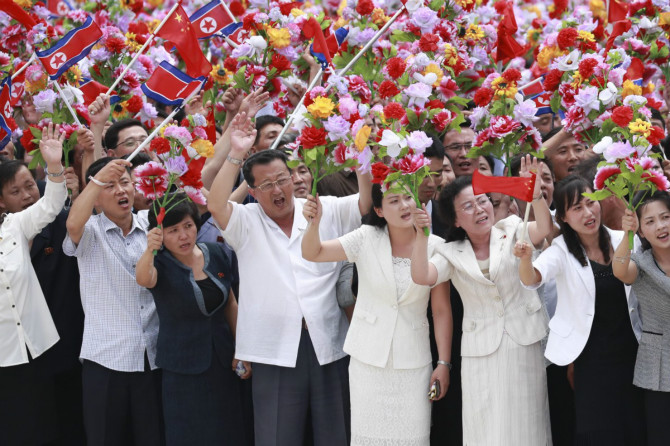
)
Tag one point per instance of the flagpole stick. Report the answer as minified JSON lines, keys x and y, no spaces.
{"x":297,"y":109}
{"x":369,"y":44}
{"x":522,"y":88}
{"x":139,"y":53}
{"x":23,"y":68}
{"x":162,"y":124}
{"x":67,"y":103}
{"x":525,"y":221}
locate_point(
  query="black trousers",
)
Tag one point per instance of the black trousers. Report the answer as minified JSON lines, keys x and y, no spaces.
{"x":285,"y":398}
{"x":657,"y":408}
{"x":122,"y":408}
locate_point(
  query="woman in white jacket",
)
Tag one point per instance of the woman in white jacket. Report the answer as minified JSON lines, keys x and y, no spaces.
{"x":596,"y":321}
{"x":390,"y":372}
{"x":26,"y":327}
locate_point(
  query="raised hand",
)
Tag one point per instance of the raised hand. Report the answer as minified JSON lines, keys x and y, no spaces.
{"x":72,"y":182}
{"x":421,"y":218}
{"x":154,"y":239}
{"x":85,"y":139}
{"x":112,"y":171}
{"x":242,"y":135}
{"x":629,"y":221}
{"x":522,"y":250}
{"x":295,"y":93}
{"x":195,"y":105}
{"x":99,"y":110}
{"x":51,"y":147}
{"x":312,"y":210}
{"x":529,"y":165}
{"x":232,"y":99}
{"x":254,"y":102}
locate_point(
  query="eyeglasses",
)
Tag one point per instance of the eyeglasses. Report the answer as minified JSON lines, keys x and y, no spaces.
{"x":469,"y":207}
{"x":266,"y":187}
{"x":458,"y":147}
{"x":131,"y":142}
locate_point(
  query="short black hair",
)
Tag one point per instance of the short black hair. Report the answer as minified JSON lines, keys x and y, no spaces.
{"x":8,"y":171}
{"x":262,"y":158}
{"x":139,"y":159}
{"x":547,"y":136}
{"x":371,"y":218}
{"x":490,"y":161}
{"x":435,"y":150}
{"x":515,"y":164}
{"x":112,"y":135}
{"x":97,"y":166}
{"x":588,"y":167}
{"x":180,"y":207}
{"x":655,"y":114}
{"x":264,"y":120}
{"x":447,"y":208}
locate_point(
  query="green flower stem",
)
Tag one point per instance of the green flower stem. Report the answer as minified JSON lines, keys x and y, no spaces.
{"x":413,"y":188}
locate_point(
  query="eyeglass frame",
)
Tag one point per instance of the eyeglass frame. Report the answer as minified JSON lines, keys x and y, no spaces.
{"x":266,"y":187}
{"x":455,"y":148}
{"x":125,"y":142}
{"x":481,"y":202}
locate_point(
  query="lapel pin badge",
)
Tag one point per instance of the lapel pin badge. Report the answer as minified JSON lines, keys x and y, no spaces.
{"x":221,"y":275}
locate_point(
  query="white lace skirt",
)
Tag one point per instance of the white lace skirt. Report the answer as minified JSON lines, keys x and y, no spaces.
{"x":389,"y":407}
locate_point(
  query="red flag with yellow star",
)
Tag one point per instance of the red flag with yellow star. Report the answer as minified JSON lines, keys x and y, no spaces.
{"x":517,"y":187}
{"x":178,"y":30}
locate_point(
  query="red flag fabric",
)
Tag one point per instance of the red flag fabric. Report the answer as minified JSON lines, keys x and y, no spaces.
{"x":517,"y":187}
{"x":170,"y":86}
{"x":312,"y":30}
{"x":618,"y":28}
{"x":635,"y":71}
{"x":508,"y":47}
{"x":178,"y":30}
{"x":618,"y":10}
{"x":210,"y":19}
{"x":58,"y":7}
{"x":17,"y":13}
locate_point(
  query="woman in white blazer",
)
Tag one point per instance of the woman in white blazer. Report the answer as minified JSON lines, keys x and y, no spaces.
{"x":596,"y":325}
{"x":503,"y":375}
{"x":390,"y":372}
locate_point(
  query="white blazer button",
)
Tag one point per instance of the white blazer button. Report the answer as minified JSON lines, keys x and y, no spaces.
{"x":500,"y":313}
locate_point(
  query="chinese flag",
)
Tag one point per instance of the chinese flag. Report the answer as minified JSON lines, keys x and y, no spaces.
{"x":618,"y":28}
{"x":618,"y":10}
{"x":178,"y":30}
{"x":312,"y":29}
{"x":17,"y":13}
{"x":508,"y":47}
{"x":517,"y":187}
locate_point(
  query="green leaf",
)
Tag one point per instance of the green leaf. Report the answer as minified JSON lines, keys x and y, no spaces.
{"x":37,"y":159}
{"x":555,"y":102}
{"x":412,"y":118}
{"x":598,"y":195}
{"x":402,"y":36}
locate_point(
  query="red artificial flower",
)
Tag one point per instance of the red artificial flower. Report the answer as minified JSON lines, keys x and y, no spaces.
{"x":566,"y":38}
{"x":138,"y":28}
{"x":152,"y":180}
{"x":511,"y":75}
{"x":281,"y":63}
{"x":428,"y":43}
{"x":160,"y":145}
{"x":442,"y":120}
{"x":434,"y":104}
{"x":365,"y":7}
{"x":249,"y":22}
{"x":388,"y":89}
{"x":312,"y":137}
{"x":483,"y":97}
{"x":567,"y":93}
{"x":410,"y":163}
{"x":286,"y":8}
{"x":653,"y":103}
{"x":358,"y":85}
{"x":448,"y":87}
{"x":656,"y":135}
{"x":552,"y":80}
{"x":393,"y":110}
{"x":192,"y":177}
{"x":396,"y":67}
{"x":586,"y":67}
{"x":237,"y":8}
{"x":379,"y":172}
{"x":503,"y":125}
{"x":559,"y":8}
{"x":134,"y":104}
{"x":340,"y":154}
{"x":26,"y":139}
{"x":115,"y":44}
{"x":603,"y":174}
{"x":659,"y":180}
{"x":598,"y":81}
{"x":230,"y":64}
{"x":622,"y":115}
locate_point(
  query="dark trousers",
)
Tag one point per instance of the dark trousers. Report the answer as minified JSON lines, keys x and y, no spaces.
{"x":561,"y":405}
{"x":285,"y":397}
{"x":121,"y":408}
{"x":657,"y":408}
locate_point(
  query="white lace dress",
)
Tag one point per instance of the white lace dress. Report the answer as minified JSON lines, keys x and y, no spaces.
{"x":390,"y":407}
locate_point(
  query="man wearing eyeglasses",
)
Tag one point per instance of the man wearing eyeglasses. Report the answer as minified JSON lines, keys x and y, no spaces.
{"x":289,"y":323}
{"x":124,"y":136}
{"x":457,"y":144}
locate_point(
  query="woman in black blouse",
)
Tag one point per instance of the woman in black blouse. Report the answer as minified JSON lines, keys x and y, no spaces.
{"x":190,"y":283}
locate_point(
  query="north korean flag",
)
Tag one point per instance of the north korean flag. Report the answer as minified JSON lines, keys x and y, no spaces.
{"x":7,"y":124}
{"x":635,"y":71}
{"x":212,"y":19}
{"x":69,"y":50}
{"x":93,"y":89}
{"x":170,"y":86}
{"x":333,"y":42}
{"x":59,"y":7}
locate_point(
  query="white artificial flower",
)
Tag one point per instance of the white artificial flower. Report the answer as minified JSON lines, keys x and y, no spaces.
{"x":73,"y":95}
{"x":603,"y":145}
{"x":569,"y":62}
{"x":393,"y":143}
{"x":608,"y":96}
{"x":428,"y":79}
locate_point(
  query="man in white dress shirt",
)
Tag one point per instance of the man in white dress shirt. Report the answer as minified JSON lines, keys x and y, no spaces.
{"x":289,"y":323}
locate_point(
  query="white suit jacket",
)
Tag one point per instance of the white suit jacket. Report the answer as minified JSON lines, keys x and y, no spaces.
{"x":491,"y":307}
{"x":570,"y":327}
{"x":383,"y":320}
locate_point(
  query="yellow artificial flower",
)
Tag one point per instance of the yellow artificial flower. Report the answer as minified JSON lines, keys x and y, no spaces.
{"x":451,"y":54}
{"x":279,"y":37}
{"x":321,"y":107}
{"x":502,"y":89}
{"x":204,"y":148}
{"x":340,"y":23}
{"x":577,"y":80}
{"x":378,"y":17}
{"x":295,"y":12}
{"x":649,"y":88}
{"x":533,"y":36}
{"x":26,"y":4}
{"x":474,"y":33}
{"x":155,"y":3}
{"x":343,"y":4}
{"x":362,"y":137}
{"x":37,"y":84}
{"x":217,"y":77}
{"x":433,"y":68}
{"x":133,"y":44}
{"x":534,"y":9}
{"x":464,"y":3}
{"x":640,"y":127}
{"x":585,"y":36}
{"x":629,"y":88}
{"x":547,"y":55}
{"x":598,"y":9}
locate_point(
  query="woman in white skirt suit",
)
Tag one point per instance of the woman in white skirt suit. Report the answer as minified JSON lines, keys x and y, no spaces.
{"x":390,"y":372}
{"x":503,"y":372}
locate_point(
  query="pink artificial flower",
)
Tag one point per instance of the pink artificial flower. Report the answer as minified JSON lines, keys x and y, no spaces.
{"x":502,"y":126}
{"x":659,"y":180}
{"x":603,"y":174}
{"x":152,"y":180}
{"x":195,"y":195}
{"x":410,"y":163}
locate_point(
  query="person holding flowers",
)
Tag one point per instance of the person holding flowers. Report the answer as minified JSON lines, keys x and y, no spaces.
{"x":390,"y":370}
{"x":596,"y":324}
{"x":27,"y":400}
{"x":647,"y":274}
{"x":190,"y":283}
{"x":503,"y":373}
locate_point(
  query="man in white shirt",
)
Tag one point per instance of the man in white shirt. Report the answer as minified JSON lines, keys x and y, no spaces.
{"x":289,"y":323}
